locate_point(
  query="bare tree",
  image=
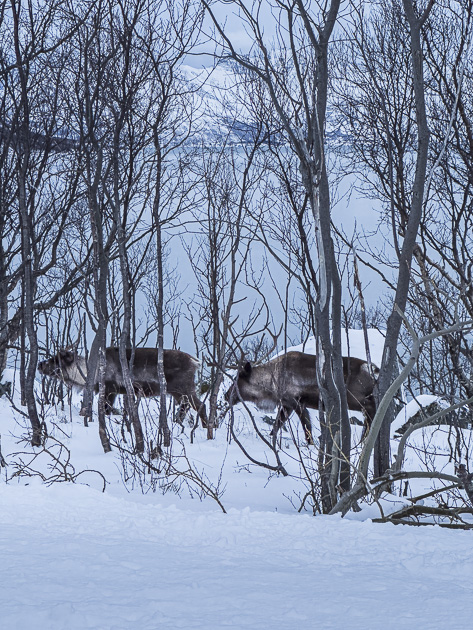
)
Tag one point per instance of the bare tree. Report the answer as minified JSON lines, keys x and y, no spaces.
{"x":170,"y":34}
{"x":95,"y":57}
{"x":31,"y":120}
{"x":295,"y":73}
{"x":362,"y":486}
{"x":382,"y":84}
{"x":442,"y":288}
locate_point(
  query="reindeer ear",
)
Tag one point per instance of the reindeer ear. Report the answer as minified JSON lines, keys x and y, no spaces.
{"x":67,"y":357}
{"x":246,"y":371}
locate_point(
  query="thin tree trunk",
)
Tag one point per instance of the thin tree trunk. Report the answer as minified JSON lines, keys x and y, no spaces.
{"x":125,"y":336}
{"x":96,"y":367}
{"x":388,"y":364}
{"x":27,"y":238}
{"x":4,"y":336}
{"x":164,"y":431}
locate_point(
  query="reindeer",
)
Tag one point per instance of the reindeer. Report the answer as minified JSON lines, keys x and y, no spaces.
{"x":290,"y":382}
{"x":179,"y":372}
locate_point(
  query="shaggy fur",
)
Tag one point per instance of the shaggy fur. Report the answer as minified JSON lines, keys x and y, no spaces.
{"x":179,"y":372}
{"x":290,"y":383}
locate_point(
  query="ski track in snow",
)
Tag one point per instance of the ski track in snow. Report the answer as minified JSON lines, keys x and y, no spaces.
{"x":91,"y":560}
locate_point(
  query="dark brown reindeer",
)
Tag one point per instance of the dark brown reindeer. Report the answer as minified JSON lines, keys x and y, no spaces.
{"x":290,"y":382}
{"x":179,"y":372}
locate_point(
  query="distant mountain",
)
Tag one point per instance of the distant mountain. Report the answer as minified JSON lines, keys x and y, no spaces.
{"x":220,"y":100}
{"x":224,"y":108}
{"x":223,"y":113}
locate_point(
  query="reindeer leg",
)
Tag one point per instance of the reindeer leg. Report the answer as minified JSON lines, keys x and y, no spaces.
{"x":110,"y":397}
{"x":369,"y":412}
{"x":184,"y":407}
{"x":304,"y":417}
{"x":199,"y":407}
{"x":185,"y":403}
{"x":281,"y":418}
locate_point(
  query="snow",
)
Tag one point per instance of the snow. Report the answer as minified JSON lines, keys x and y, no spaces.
{"x":413,"y":406}
{"x":353,"y":344}
{"x":74,"y":557}
{"x":223,"y":114}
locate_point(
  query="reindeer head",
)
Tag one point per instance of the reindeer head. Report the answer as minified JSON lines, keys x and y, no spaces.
{"x":232,"y":395}
{"x":56,"y":365}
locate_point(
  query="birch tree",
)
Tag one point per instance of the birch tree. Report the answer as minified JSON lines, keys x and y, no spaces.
{"x":38,"y":206}
{"x":294,"y":69}
{"x":389,"y":70}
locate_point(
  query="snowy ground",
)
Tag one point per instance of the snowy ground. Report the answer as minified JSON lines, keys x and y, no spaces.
{"x":73,"y":557}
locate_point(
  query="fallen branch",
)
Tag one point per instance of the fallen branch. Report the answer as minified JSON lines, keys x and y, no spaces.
{"x":379,"y":484}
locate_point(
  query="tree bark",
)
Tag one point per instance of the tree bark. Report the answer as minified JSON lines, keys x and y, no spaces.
{"x":27,"y":240}
{"x":382,"y":450}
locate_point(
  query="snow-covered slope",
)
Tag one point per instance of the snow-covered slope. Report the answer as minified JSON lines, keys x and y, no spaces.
{"x":353,"y":344}
{"x":226,"y":110}
{"x":74,"y":557}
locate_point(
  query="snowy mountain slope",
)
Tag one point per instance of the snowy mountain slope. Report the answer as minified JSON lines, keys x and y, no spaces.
{"x":224,"y":107}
